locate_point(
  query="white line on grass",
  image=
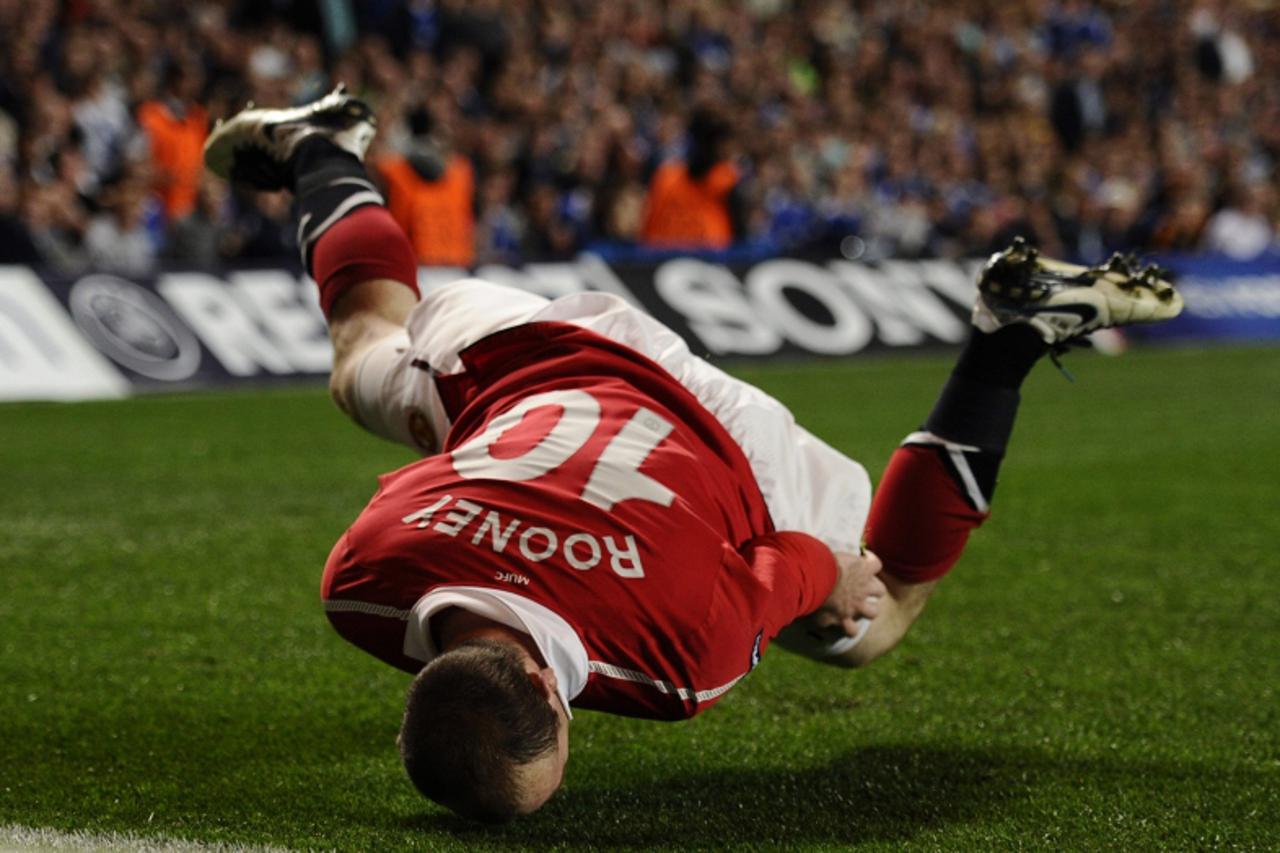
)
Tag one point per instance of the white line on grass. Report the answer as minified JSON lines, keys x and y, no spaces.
{"x":28,"y":839}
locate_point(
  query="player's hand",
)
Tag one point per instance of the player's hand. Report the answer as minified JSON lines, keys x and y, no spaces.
{"x":857,"y":592}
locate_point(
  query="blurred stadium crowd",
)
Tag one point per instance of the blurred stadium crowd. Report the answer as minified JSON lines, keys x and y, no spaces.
{"x":531,"y":129}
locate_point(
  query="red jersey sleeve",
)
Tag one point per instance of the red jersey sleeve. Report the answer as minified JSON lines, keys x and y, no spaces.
{"x":796,"y":571}
{"x":759,"y":589}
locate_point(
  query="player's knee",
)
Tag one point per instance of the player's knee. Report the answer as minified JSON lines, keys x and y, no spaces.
{"x":341,"y":386}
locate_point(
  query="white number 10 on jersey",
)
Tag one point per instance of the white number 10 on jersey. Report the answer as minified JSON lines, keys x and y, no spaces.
{"x":616,"y":476}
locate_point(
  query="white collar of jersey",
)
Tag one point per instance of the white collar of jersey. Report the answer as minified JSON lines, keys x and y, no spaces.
{"x":555,"y":638}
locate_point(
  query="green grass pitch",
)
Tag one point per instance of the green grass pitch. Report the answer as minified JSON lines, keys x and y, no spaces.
{"x":1102,"y":670}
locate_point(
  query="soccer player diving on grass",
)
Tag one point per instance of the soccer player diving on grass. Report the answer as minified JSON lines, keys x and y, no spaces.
{"x":600,"y":518}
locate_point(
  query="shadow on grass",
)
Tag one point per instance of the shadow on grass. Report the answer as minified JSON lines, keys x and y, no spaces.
{"x":874,"y":794}
{"x":882,"y":794}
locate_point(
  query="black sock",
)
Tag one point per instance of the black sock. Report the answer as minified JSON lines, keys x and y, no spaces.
{"x":978,"y":404}
{"x":315,"y":153}
{"x":328,"y":183}
{"x":1002,"y":358}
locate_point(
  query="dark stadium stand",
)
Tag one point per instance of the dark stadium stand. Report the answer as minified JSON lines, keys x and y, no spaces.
{"x":877,"y":129}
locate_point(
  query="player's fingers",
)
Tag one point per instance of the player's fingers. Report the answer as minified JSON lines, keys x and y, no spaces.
{"x":869,"y":607}
{"x":877,"y":588}
{"x":851,"y":627}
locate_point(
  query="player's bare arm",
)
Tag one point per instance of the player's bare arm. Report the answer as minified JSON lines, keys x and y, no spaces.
{"x":898,"y":610}
{"x":870,"y":605}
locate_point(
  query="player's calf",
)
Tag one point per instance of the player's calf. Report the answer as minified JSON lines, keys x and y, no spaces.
{"x":367,"y":330}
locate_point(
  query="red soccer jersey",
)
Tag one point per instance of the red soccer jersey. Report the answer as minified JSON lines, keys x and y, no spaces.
{"x":583,"y":476}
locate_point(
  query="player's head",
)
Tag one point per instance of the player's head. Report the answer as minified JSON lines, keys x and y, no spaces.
{"x":484,"y":732}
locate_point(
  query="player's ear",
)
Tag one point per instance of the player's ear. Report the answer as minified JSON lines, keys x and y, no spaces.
{"x":545,"y":680}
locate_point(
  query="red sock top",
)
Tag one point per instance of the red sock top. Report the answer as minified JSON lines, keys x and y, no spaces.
{"x":365,"y":245}
{"x":920,"y":520}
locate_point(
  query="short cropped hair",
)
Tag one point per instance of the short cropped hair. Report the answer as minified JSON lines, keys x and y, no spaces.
{"x":472,"y":719}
